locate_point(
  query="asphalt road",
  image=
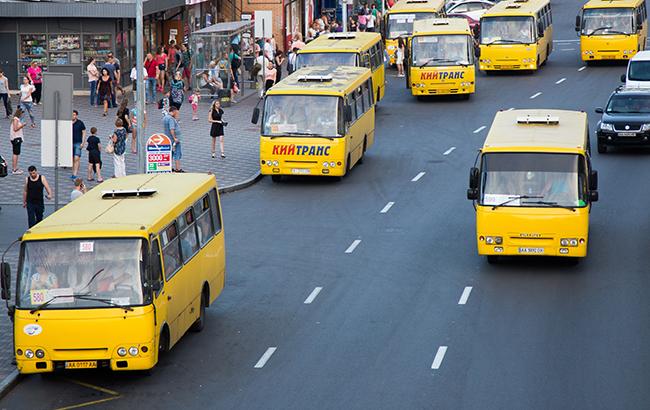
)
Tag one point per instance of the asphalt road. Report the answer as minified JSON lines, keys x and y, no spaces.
{"x":386,"y":330}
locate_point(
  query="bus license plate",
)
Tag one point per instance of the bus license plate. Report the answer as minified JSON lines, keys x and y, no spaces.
{"x":627,"y":134}
{"x":89,"y":364}
{"x":301,"y":171}
{"x":531,"y":250}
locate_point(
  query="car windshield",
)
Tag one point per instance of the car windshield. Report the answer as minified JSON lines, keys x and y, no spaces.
{"x":533,"y":179}
{"x":639,"y":71}
{"x":628,"y":104}
{"x":401,"y":24}
{"x":502,"y":30}
{"x":332,"y":59}
{"x":80,"y":273}
{"x":441,"y":50}
{"x":608,"y":21}
{"x":300,"y":115}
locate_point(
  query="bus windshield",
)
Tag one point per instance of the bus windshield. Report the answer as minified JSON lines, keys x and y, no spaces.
{"x":301,"y":115}
{"x":332,"y":59}
{"x":628,"y":104}
{"x":401,"y":24}
{"x":80,"y":273}
{"x":608,"y":21}
{"x":505,"y":29}
{"x":533,"y":180}
{"x":639,"y":71}
{"x":450,"y":49}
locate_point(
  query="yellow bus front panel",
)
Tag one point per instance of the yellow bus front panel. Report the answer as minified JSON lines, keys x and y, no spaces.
{"x":532,"y":231}
{"x":609,"y":47}
{"x":303,"y":156}
{"x":508,"y":57}
{"x":442,"y":80}
{"x":391,"y":49}
{"x":85,"y":338}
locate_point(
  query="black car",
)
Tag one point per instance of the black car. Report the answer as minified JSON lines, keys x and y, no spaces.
{"x":625,"y":120}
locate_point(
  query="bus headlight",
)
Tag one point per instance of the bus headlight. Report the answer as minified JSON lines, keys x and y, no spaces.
{"x":588,"y":52}
{"x":629,"y":51}
{"x":486,"y":61}
{"x":490,"y":240}
{"x":133,"y":351}
{"x":40,"y":353}
{"x":121,"y":351}
{"x":29,"y":353}
{"x":326,"y":164}
{"x":569,"y":242}
{"x":332,"y":164}
{"x":645,"y":127}
{"x":465,"y":84}
{"x":606,"y":127}
{"x":275,"y":163}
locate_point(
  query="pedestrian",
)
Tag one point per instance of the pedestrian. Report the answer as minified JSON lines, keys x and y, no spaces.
{"x":94,"y":149}
{"x":112,"y":67}
{"x":216,"y":129}
{"x":4,"y":93}
{"x":134,"y":81}
{"x":399,"y":57}
{"x":105,"y":90}
{"x":297,"y":41}
{"x":194,"y":102}
{"x":178,"y":62}
{"x":124,"y":114}
{"x":35,"y":74}
{"x":164,"y":104}
{"x":16,"y":139}
{"x":269,"y":76}
{"x":235,"y":63}
{"x":93,"y":78}
{"x":171,"y":59}
{"x":78,"y":190}
{"x":26,"y":90}
{"x":279,"y":60}
{"x":223,"y":70}
{"x":187,"y":65}
{"x":362,"y":19}
{"x":119,"y":147}
{"x":134,"y":128}
{"x":291,"y":60}
{"x":371,"y":19}
{"x":173,"y":131}
{"x":352,"y":24}
{"x":78,"y":142}
{"x":33,"y":195}
{"x":162,"y":61}
{"x":177,"y":94}
{"x":152,"y":74}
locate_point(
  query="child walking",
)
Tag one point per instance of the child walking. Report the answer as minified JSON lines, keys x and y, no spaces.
{"x":194,"y":101}
{"x":94,"y":156}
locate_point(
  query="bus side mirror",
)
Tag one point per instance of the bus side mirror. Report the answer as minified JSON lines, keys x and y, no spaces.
{"x":5,"y":280}
{"x":623,"y":78}
{"x":473,"y":178}
{"x":347,"y":111}
{"x":593,"y":181}
{"x":599,"y":110}
{"x":578,"y":22}
{"x":256,"y":115}
{"x":593,"y":196}
{"x":472,"y":194}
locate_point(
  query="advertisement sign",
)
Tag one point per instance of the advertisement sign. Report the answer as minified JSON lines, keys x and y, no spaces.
{"x":159,"y":154}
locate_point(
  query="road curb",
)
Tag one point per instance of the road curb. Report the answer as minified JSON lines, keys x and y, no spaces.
{"x":241,"y":185}
{"x":8,"y":382}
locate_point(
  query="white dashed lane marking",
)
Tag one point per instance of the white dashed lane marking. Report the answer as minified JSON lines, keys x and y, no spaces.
{"x":387,"y":207}
{"x":418,"y":176}
{"x":313,"y":295}
{"x":582,"y":68}
{"x":465,"y":295}
{"x":560,"y":81}
{"x":449,"y":151}
{"x":532,"y":97}
{"x":353,"y":246}
{"x":265,"y":357}
{"x":440,"y":355}
{"x":479,"y":129}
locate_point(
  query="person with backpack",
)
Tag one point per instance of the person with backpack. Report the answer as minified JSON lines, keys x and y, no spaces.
{"x":235,"y":63}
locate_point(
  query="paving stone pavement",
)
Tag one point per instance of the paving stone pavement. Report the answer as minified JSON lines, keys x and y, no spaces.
{"x":241,"y":146}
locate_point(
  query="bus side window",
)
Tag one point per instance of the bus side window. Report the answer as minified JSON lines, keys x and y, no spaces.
{"x":366,"y":95}
{"x":188,"y":238}
{"x":352,"y":103}
{"x":342,"y":125}
{"x":155,"y":266}
{"x":365,"y":59}
{"x":358,"y":97}
{"x":214,"y":208}
{"x":204,"y":220}
{"x":171,"y":251}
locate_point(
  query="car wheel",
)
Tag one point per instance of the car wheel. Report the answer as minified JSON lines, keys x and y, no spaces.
{"x":602,"y":148}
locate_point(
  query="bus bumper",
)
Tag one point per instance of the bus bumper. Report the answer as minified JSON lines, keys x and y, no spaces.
{"x":524,"y":64}
{"x":531,"y":249}
{"x":589,"y":55}
{"x":419,"y":89}
{"x":306,"y":168}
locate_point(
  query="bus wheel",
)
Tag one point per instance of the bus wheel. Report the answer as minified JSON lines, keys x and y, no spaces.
{"x":602,"y":148}
{"x":363,"y":153}
{"x":163,"y":342}
{"x":492,"y":259}
{"x":465,"y":96}
{"x":348,"y":165}
{"x":276,"y":178}
{"x":199,"y":324}
{"x":378,"y":95}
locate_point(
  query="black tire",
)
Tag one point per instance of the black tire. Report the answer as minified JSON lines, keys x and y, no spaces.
{"x":363,"y":153}
{"x":163,"y":343}
{"x":378,"y":95}
{"x":602,"y":148}
{"x":199,"y":324}
{"x":573,"y":261}
{"x":465,"y":96}
{"x":276,"y":178}
{"x":492,"y":259}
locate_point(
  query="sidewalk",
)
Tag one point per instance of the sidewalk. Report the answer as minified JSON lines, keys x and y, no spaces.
{"x":241,"y":165}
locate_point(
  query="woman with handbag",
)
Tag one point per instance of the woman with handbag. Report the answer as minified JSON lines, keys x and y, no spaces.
{"x":216,"y":130}
{"x":117,"y":148}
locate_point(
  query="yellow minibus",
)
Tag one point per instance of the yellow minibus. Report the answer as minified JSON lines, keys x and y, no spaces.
{"x":398,"y":21}
{"x":516,"y":35}
{"x":534,"y":186}
{"x":116,"y":277}
{"x":441,"y":58}
{"x":355,"y":49}
{"x":612,"y":29}
{"x":317,"y":121}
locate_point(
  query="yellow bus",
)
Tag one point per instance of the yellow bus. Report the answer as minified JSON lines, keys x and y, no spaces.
{"x":534,"y":185}
{"x":398,"y":21}
{"x":441,"y":58}
{"x":115,"y":278}
{"x":317,"y":121}
{"x":612,"y":30}
{"x":516,"y":35}
{"x":355,"y":49}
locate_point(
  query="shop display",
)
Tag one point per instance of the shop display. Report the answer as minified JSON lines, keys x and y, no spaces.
{"x":33,"y":47}
{"x":61,"y":42}
{"x":97,"y":46}
{"x":59,"y":58}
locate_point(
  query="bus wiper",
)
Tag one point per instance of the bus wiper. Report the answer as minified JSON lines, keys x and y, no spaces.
{"x":502,"y":40}
{"x":516,"y":198}
{"x":308,"y":134}
{"x":436,"y":60}
{"x":45,"y":304}
{"x":553,"y":204}
{"x":107,"y":301}
{"x":604,"y":28}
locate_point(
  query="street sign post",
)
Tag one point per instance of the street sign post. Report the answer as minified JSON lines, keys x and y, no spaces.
{"x":159,"y":154}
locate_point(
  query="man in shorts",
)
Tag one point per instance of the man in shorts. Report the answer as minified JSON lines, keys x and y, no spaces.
{"x":173,"y":131}
{"x":78,"y":141}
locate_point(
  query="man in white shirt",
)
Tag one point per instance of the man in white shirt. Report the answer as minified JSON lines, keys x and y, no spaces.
{"x":134,"y":78}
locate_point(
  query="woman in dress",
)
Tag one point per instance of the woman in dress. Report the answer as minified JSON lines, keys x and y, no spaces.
{"x":216,"y":130}
{"x":161,"y":60}
{"x":177,"y":95}
{"x":105,"y":90}
{"x":399,"y":57}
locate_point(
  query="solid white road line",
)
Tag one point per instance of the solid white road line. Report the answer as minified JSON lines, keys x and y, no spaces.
{"x":568,"y":49}
{"x":532,"y":97}
{"x":465,"y":295}
{"x":313,"y":295}
{"x":449,"y":151}
{"x":353,"y":246}
{"x":560,"y":81}
{"x":387,"y":207}
{"x":440,"y":354}
{"x":265,"y":357}
{"x":479,"y":129}
{"x":418,"y":176}
{"x":582,"y":68}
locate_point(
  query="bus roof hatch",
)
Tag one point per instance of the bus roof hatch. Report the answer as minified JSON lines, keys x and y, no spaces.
{"x":315,"y":78}
{"x":127,"y":193}
{"x":529,"y":119}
